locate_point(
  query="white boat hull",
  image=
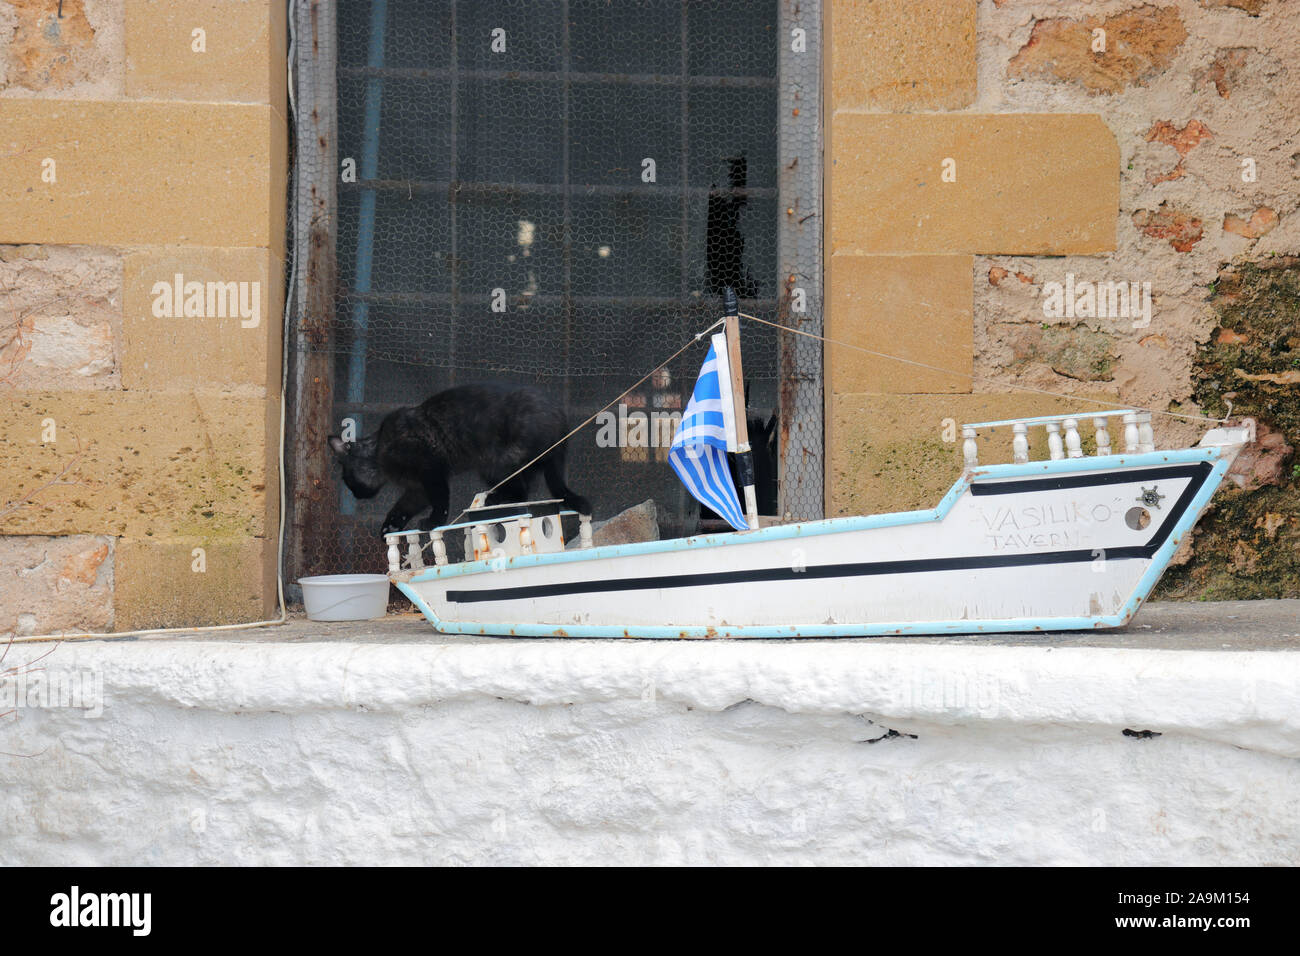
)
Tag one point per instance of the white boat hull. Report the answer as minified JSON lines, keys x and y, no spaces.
{"x":1057,"y":545}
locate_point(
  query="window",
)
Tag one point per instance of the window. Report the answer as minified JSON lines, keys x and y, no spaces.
{"x":552,"y":193}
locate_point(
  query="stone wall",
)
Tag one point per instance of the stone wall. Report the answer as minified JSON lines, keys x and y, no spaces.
{"x":1111,"y":141}
{"x":140,"y":140}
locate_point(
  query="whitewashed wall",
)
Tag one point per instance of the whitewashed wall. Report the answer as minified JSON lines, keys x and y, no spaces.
{"x":637,"y":752}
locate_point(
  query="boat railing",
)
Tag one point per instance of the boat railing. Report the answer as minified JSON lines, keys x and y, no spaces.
{"x":486,"y":538}
{"x":1063,"y":440}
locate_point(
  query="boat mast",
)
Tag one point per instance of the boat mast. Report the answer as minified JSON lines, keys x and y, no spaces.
{"x":744,"y":455}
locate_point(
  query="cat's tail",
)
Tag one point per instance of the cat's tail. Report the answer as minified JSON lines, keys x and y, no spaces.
{"x":553,"y":472}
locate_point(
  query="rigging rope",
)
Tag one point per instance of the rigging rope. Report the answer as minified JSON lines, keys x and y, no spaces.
{"x":984,"y":378}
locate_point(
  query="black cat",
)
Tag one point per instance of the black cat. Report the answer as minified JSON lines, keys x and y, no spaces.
{"x":488,"y":429}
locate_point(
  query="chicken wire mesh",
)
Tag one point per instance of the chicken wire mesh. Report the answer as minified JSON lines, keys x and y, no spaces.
{"x":553,"y":194}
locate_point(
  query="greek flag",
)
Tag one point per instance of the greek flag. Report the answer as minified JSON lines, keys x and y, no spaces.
{"x":706,"y":433}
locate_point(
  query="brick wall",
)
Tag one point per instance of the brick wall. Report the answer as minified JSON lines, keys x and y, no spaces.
{"x":134,"y":431}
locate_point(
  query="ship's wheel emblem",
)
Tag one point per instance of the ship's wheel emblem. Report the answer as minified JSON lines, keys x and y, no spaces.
{"x":1151,"y":497}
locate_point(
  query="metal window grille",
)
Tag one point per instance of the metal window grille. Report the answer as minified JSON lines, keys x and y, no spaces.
{"x":551,"y":193}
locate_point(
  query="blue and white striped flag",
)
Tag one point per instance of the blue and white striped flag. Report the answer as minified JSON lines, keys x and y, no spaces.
{"x":706,"y":433}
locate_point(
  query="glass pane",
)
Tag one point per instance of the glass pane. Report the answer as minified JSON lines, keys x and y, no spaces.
{"x":507,"y":131}
{"x":606,"y":149}
{"x":631,"y":36}
{"x":507,"y":35}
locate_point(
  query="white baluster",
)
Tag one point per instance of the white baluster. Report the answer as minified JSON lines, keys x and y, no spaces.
{"x":1103,"y":436}
{"x":969,"y":450}
{"x":439,"y":548}
{"x":1020,"y":443}
{"x":525,"y":538}
{"x":1130,"y":433}
{"x":414,"y":559}
{"x":584,"y":531}
{"x":394,"y":555}
{"x":1054,"y":441}
{"x":1146,"y":437}
{"x":1073,"y":446}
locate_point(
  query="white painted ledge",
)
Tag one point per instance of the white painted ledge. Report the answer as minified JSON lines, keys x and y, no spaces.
{"x":390,"y":744}
{"x":1249,"y":700}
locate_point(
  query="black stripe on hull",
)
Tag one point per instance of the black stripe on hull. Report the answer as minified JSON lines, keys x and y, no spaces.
{"x":1063,"y":482}
{"x":1197,"y":473}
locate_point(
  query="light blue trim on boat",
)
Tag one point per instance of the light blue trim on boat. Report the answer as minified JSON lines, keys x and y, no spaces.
{"x":809,"y":529}
{"x":420,"y":603}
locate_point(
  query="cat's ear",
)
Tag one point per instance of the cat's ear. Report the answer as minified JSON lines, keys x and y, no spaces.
{"x":339,"y":445}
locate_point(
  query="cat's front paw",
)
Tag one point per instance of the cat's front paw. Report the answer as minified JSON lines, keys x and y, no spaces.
{"x":391,"y":526}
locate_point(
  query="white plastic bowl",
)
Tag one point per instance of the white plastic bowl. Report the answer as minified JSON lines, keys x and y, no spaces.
{"x":345,"y":597}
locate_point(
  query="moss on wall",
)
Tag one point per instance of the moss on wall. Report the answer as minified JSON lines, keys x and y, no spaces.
{"x":1248,"y":543}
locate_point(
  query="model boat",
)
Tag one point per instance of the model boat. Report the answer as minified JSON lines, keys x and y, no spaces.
{"x":1071,"y":542}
